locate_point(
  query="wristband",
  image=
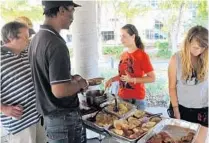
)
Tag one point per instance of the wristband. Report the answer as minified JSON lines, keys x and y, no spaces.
{"x":134,"y":80}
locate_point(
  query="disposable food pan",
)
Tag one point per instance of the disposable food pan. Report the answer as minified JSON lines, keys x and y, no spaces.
{"x":93,"y":124}
{"x":131,"y":109}
{"x":127,"y":139}
{"x":174,"y":127}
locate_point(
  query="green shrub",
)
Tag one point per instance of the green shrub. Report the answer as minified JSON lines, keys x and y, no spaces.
{"x":157,"y":92}
{"x":115,"y":51}
{"x":163,"y":50}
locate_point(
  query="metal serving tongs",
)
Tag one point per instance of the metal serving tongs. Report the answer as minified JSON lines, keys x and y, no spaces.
{"x":154,"y":115}
{"x":93,"y":118}
{"x":115,"y":108}
{"x":105,"y":90}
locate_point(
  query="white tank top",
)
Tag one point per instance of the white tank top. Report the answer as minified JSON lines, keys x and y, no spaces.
{"x":191,"y":93}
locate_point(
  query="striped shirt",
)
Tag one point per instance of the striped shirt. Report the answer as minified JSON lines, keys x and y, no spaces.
{"x":17,"y":89}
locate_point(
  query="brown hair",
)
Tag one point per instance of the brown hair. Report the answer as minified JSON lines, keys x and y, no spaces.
{"x":131,"y":29}
{"x":199,"y":34}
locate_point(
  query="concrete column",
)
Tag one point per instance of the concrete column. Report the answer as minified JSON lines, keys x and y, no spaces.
{"x":85,"y":39}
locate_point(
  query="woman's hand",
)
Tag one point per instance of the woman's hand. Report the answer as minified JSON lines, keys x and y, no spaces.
{"x":126,"y":78}
{"x":176,"y":112}
{"x":108,"y":83}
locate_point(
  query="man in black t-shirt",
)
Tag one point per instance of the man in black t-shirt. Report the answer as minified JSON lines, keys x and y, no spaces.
{"x":55,"y":87}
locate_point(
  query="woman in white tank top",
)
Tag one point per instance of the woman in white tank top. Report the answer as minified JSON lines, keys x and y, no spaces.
{"x":188,"y":78}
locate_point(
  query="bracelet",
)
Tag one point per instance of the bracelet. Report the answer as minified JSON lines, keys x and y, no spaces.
{"x":134,"y":80}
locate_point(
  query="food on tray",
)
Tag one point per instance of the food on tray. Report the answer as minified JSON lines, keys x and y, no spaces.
{"x":95,"y":81}
{"x":131,"y":127}
{"x":127,"y":132}
{"x":161,"y":137}
{"x":123,"y":108}
{"x":104,"y":119}
{"x":149,"y":124}
{"x":118,"y":124}
{"x":135,"y":121}
{"x":134,"y":126}
{"x":118,"y":132}
{"x":187,"y":139}
{"x":139,"y":113}
{"x":164,"y":137}
{"x":155,"y":119}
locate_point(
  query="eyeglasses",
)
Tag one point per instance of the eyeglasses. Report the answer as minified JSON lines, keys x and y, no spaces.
{"x":24,"y":38}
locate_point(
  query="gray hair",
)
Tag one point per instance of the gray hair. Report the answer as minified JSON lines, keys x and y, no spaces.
{"x":11,"y":31}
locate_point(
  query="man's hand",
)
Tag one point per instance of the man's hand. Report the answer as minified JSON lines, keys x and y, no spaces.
{"x":76,"y":77}
{"x":83,"y":84}
{"x":81,"y":81}
{"x":12,"y":111}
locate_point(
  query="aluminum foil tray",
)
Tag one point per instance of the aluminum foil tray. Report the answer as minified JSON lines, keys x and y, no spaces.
{"x":133,"y":108}
{"x":122,"y":138}
{"x":136,"y":139}
{"x":93,"y":124}
{"x":176,"y":133}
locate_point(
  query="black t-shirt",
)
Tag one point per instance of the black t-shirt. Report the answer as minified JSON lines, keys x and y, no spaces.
{"x":50,"y":63}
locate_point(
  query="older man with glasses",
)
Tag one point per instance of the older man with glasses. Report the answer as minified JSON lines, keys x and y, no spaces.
{"x":18,"y":101}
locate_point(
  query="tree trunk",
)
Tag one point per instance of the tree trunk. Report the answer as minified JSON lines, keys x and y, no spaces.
{"x":175,"y":33}
{"x":85,"y":40}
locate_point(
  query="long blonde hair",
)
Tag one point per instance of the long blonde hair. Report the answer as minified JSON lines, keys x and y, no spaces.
{"x":199,"y":34}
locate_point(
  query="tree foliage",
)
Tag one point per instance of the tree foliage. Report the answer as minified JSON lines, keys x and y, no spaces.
{"x":202,"y":9}
{"x":10,"y":9}
{"x":127,"y":9}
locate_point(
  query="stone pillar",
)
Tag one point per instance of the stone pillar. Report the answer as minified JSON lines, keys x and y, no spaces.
{"x":85,"y":39}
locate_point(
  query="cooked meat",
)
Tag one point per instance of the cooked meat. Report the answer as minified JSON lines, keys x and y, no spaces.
{"x":139,"y":113}
{"x":123,"y":108}
{"x":155,"y":119}
{"x":164,"y":137}
{"x":188,"y":138}
{"x":104,"y":119}
{"x":119,"y":132}
{"x":149,"y":124}
{"x":161,"y":137}
{"x":127,"y":133}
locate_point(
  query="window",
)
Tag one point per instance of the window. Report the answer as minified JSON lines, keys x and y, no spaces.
{"x":154,"y":3}
{"x":193,"y":13}
{"x":149,"y":34}
{"x":114,"y":19}
{"x":108,"y":35}
{"x":158,"y":25}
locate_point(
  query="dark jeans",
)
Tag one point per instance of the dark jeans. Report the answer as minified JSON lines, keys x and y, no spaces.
{"x":65,"y":127}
